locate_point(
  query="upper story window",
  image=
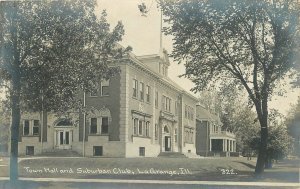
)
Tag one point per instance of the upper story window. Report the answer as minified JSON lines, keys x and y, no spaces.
{"x":104,"y":88}
{"x":135,"y":88}
{"x":166,"y":103}
{"x":156,"y":131}
{"x":148,"y":93}
{"x":142,"y":91}
{"x":176,"y":107}
{"x":189,"y":112}
{"x":156,"y":99}
{"x":31,"y":127}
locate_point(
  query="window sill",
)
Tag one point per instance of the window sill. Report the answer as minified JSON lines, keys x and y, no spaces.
{"x":104,"y":96}
{"x":30,"y":135}
{"x":141,"y":136}
{"x":98,"y":134}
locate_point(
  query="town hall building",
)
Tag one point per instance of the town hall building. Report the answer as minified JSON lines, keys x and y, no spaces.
{"x":139,"y":112}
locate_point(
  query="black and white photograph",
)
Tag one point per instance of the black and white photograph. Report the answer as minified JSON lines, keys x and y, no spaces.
{"x":192,"y":94}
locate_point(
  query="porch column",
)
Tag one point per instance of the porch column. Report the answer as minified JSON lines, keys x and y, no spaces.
{"x":209,"y":144}
{"x":234,"y":146}
{"x":225,"y":145}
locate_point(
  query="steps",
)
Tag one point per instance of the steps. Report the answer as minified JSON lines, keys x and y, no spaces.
{"x":171,"y":155}
{"x":61,"y":153}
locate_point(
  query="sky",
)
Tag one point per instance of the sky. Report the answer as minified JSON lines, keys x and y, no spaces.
{"x":142,"y":33}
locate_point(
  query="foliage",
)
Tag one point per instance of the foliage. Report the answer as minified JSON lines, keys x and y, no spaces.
{"x":60,"y":45}
{"x":279,"y":141}
{"x":50,"y":51}
{"x":293,"y":126}
{"x":252,"y":44}
{"x":4,"y":129}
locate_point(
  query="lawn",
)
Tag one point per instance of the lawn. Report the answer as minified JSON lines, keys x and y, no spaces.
{"x":225,"y":169}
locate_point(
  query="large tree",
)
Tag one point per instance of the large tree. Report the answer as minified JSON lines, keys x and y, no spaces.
{"x":51,"y":50}
{"x":251,"y":43}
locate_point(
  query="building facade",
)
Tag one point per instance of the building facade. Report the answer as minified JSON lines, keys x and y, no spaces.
{"x":211,"y":140}
{"x":139,"y":112}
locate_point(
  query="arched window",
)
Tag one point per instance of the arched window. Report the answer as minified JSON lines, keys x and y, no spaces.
{"x":166,"y":129}
{"x":99,"y":120}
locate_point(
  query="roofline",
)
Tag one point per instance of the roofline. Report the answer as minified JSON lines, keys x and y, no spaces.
{"x":135,"y":60}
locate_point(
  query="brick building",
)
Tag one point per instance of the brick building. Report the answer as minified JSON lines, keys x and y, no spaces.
{"x":139,"y":112}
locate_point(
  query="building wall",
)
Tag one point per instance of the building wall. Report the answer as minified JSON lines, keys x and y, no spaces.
{"x":120,"y":141}
{"x":202,"y":132}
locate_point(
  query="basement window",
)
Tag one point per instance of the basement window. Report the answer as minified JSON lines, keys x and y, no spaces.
{"x":98,"y":150}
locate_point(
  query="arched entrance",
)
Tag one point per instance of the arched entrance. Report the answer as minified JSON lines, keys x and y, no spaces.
{"x":63,"y":134}
{"x":166,"y":138}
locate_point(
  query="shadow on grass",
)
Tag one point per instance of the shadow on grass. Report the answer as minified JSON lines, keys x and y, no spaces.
{"x":247,"y":164}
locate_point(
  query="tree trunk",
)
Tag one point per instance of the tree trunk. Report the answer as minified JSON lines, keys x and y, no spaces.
{"x":262,"y":153}
{"x":15,"y":111}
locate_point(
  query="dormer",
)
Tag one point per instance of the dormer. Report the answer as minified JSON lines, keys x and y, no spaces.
{"x":158,"y":63}
{"x":163,"y":62}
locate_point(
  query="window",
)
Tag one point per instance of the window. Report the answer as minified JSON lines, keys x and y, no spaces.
{"x":147,"y":128}
{"x":140,"y":127}
{"x":104,"y":126}
{"x":142,"y":91}
{"x":135,"y":88}
{"x":97,"y":150}
{"x":26,"y":127}
{"x":35,"y":128}
{"x":166,"y":103}
{"x":189,"y":112}
{"x":156,"y":99}
{"x":163,"y":101}
{"x":29,"y":150}
{"x":31,"y":127}
{"x":148,"y":93}
{"x":142,"y":151}
{"x":176,"y":108}
{"x":104,"y":88}
{"x":135,"y":126}
{"x":93,"y":125}
{"x":189,"y":135}
{"x":156,"y":132}
{"x":175,"y":135}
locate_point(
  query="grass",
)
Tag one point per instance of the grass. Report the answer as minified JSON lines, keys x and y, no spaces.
{"x":123,"y":168}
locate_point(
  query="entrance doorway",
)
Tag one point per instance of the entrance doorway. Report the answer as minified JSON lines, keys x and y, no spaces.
{"x":63,"y":134}
{"x":167,"y":143}
{"x":63,"y":137}
{"x":166,"y":139}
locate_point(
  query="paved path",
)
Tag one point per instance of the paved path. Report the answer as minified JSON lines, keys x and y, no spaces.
{"x":60,"y":183}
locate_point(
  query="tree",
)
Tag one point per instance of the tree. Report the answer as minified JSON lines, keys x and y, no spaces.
{"x":293,"y":125}
{"x":51,"y":50}
{"x":250,"y":43}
